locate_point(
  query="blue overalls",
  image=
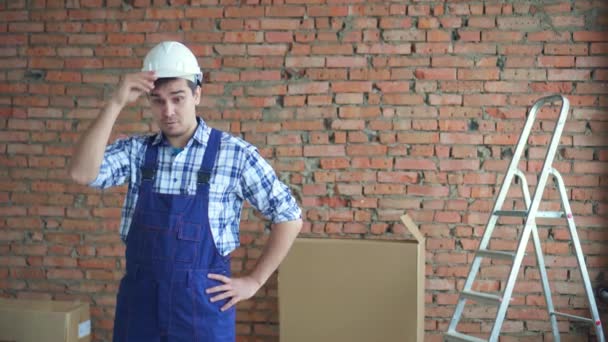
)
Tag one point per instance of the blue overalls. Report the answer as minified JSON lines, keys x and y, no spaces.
{"x":170,"y":251}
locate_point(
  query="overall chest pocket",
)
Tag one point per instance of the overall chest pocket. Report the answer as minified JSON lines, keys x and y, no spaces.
{"x":166,"y":237}
{"x":189,"y":237}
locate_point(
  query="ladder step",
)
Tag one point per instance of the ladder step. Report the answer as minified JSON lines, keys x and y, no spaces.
{"x":580,"y":318}
{"x":482,"y":297}
{"x":518,"y":213}
{"x":496,"y":254}
{"x":524,"y":213}
{"x":551,"y":214}
{"x":458,"y":337}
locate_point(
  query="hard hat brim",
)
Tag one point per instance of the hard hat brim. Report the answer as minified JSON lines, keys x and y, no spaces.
{"x":172,"y":73}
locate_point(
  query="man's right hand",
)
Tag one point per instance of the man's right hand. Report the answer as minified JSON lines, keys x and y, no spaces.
{"x":131,"y":87}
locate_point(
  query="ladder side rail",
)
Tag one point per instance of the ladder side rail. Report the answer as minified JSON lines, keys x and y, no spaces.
{"x":580,"y":258}
{"x":485,"y":240}
{"x":540,"y":259}
{"x":512,"y":169}
{"x":544,"y":278}
{"x":462,"y":300}
{"x":525,"y":133}
{"x":470,"y":278}
{"x":519,"y":149}
{"x":522,"y":141}
{"x":508,"y":291}
{"x":550,"y":154}
{"x":525,"y":189}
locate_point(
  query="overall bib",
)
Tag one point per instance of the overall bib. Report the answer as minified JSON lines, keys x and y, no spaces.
{"x":170,"y":250}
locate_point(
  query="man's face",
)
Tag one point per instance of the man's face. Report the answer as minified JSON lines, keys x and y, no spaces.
{"x":174,"y":107}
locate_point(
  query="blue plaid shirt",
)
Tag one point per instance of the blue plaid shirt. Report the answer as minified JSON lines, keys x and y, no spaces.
{"x":240,"y":173}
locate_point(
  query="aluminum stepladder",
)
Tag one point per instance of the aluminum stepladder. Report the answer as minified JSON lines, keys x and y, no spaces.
{"x":529,"y":216}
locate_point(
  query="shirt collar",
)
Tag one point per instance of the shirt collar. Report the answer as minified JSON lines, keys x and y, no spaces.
{"x":201,"y":134}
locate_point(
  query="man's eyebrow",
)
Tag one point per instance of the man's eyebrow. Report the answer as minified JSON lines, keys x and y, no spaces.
{"x":172,"y":93}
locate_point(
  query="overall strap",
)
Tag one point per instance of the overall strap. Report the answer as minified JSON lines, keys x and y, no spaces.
{"x":148,"y":169}
{"x":213,"y":146}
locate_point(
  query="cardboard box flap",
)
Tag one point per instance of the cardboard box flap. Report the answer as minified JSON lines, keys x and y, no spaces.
{"x":38,"y":305}
{"x":412,"y":228}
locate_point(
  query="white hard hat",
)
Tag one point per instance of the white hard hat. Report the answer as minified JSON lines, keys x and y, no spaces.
{"x":173,"y":59}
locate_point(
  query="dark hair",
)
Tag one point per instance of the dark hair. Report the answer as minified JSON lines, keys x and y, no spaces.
{"x":162,"y":81}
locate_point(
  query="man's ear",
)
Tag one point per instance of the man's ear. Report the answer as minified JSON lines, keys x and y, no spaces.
{"x":197,"y":95}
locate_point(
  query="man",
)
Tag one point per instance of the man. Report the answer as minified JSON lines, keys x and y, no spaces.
{"x":181,"y":214}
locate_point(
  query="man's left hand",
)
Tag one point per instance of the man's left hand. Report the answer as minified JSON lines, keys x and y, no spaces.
{"x":237,"y":289}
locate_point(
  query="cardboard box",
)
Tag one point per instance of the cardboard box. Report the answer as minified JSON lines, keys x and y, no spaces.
{"x":335,"y":290}
{"x":44,"y":320}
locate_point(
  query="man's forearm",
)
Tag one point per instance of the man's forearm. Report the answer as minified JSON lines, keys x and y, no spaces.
{"x":88,"y":153}
{"x":281,"y":238}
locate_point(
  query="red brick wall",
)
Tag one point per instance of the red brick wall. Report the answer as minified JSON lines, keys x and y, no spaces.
{"x":368,"y":109}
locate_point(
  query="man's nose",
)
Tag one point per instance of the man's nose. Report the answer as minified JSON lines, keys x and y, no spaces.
{"x":167,"y":109}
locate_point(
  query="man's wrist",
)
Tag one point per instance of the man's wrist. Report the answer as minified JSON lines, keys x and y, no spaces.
{"x":113,"y":103}
{"x":256,"y":280}
{"x":112,"y":107}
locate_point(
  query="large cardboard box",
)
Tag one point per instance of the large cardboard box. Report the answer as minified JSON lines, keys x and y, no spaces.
{"x":336,"y":290}
{"x":44,"y":320}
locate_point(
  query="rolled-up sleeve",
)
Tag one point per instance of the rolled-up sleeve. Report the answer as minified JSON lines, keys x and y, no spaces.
{"x":115,"y":168}
{"x":261,"y":187}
